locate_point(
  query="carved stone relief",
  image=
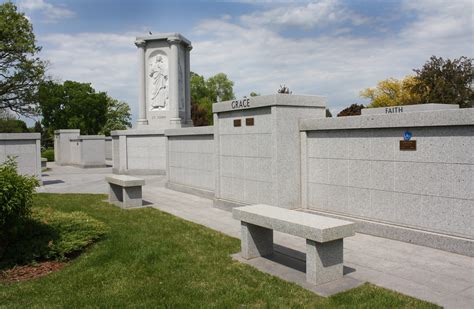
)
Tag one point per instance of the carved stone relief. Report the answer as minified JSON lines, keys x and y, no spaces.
{"x":158,"y":81}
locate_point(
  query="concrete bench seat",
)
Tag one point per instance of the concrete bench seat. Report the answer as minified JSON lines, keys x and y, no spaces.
{"x":324,"y":237}
{"x":125,"y":191}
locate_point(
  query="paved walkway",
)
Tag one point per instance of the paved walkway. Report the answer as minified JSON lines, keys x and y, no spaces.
{"x":440,"y":277}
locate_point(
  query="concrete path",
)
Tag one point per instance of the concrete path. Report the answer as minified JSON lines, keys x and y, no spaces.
{"x":440,"y":277}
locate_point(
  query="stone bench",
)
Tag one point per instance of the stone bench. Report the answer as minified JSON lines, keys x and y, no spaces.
{"x":324,"y":237}
{"x":125,"y":191}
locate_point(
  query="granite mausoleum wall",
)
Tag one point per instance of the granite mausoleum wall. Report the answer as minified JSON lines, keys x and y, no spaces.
{"x":353,"y":167}
{"x":26,"y":149}
{"x":139,"y":152}
{"x":71,"y":148}
{"x":257,"y":149}
{"x":108,"y":148}
{"x":190,"y":153}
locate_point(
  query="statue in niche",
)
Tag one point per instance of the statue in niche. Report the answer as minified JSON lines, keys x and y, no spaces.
{"x":159,"y":90}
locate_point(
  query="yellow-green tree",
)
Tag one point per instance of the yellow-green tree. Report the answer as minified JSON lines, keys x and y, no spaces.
{"x":392,"y":92}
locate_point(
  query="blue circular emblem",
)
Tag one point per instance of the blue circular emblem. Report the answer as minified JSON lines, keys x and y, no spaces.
{"x":407,"y":135}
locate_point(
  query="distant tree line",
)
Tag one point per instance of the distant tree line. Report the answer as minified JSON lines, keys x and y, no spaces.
{"x":437,"y":81}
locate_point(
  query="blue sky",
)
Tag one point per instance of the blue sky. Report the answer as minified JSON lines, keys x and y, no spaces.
{"x":333,"y":48}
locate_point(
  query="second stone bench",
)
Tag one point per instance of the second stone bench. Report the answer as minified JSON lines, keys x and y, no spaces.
{"x":125,"y":191}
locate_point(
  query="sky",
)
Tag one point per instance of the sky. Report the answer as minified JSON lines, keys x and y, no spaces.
{"x":333,"y":48}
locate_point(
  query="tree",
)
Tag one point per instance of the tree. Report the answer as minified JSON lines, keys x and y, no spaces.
{"x":20,"y":71}
{"x":254,"y":94}
{"x":446,"y":81}
{"x":220,"y":88}
{"x":328,"y":113}
{"x":206,"y":92}
{"x":392,"y":92}
{"x":73,"y":105}
{"x":118,"y":116}
{"x":353,"y":110}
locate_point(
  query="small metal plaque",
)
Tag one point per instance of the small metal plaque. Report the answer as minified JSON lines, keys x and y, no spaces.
{"x":249,"y":121}
{"x":408,"y":145}
{"x":237,"y":123}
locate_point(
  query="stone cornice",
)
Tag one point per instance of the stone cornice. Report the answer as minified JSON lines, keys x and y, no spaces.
{"x":140,"y":43}
{"x":165,"y":37}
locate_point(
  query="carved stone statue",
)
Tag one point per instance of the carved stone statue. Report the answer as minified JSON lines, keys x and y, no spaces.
{"x":159,"y":83}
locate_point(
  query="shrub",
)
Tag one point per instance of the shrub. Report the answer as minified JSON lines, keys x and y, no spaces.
{"x":16,"y":194}
{"x":52,"y":234}
{"x":48,"y":154}
{"x":353,"y":110}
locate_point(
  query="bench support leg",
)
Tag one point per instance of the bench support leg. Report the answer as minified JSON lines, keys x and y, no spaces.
{"x":255,"y":241}
{"x":115,"y":194}
{"x":132,"y":197}
{"x":324,"y":261}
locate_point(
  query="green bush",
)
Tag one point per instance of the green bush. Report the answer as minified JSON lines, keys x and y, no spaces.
{"x":48,"y":154}
{"x":16,"y":194}
{"x":13,"y":126}
{"x":52,"y":234}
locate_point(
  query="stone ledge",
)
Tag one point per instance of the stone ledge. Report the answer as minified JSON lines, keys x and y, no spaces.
{"x":439,"y":118}
{"x":190,"y":190}
{"x":271,"y":100}
{"x":13,"y":136}
{"x":207,"y":130}
{"x":454,"y":244}
{"x":138,"y":132}
{"x":67,"y":131}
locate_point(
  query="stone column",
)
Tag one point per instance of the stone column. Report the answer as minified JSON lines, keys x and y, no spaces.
{"x":175,"y":120}
{"x":141,"y":84}
{"x":187,"y":80}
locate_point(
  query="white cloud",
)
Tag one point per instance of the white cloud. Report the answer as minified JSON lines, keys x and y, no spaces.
{"x":50,"y":12}
{"x":259,"y":58}
{"x":108,"y":61}
{"x":307,"y":15}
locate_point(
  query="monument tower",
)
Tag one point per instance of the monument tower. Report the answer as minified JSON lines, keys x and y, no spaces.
{"x":164,"y":72}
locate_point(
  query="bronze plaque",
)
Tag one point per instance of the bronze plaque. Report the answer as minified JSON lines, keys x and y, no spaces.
{"x":408,"y":145}
{"x":249,"y":121}
{"x":237,"y":123}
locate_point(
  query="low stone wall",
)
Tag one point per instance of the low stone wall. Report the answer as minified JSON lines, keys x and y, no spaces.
{"x":88,"y":151}
{"x":139,"y":152}
{"x":190,"y":160}
{"x":27,"y":150}
{"x":357,"y":169}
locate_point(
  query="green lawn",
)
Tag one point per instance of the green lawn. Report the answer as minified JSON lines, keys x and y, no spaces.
{"x":152,"y":259}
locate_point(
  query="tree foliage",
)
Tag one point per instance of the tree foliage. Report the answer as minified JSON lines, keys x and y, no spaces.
{"x":206,"y":92}
{"x":353,"y":110}
{"x":75,"y":105}
{"x":446,"y":81}
{"x":118,"y":116}
{"x":393,"y":92}
{"x":21,"y":72}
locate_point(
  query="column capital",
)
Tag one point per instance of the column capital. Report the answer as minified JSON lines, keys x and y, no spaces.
{"x":189,"y":47}
{"x":140,"y":43}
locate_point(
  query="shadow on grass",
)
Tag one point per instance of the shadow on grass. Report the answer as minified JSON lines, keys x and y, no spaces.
{"x":33,"y":242}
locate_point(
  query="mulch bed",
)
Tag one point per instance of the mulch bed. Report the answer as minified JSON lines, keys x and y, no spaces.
{"x":28,"y":272}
